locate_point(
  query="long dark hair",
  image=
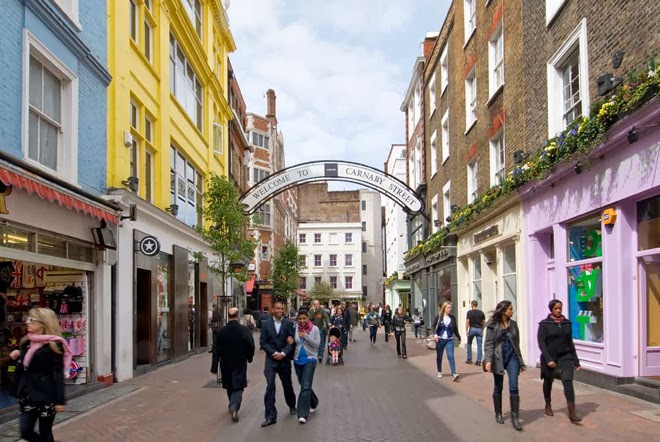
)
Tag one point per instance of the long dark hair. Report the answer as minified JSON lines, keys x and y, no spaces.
{"x":496,"y":316}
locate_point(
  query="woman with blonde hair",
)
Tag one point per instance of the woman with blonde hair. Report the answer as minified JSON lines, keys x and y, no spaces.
{"x":445,"y":328}
{"x":43,"y":360}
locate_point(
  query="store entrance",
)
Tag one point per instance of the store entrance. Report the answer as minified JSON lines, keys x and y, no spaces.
{"x":650,"y":315}
{"x":143,"y":319}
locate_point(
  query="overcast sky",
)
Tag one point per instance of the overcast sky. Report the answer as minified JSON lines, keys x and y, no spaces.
{"x":339,"y":68}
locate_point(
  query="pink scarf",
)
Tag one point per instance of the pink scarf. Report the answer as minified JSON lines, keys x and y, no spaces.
{"x":38,"y":341}
{"x":308,"y":328}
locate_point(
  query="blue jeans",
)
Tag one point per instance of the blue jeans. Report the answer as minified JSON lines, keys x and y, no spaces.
{"x":512,"y":370}
{"x":307,"y":398}
{"x":323,"y":334}
{"x":440,"y":347}
{"x":372,"y":333}
{"x":474,"y":333}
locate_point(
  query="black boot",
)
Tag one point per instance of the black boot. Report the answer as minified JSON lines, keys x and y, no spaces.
{"x":548,"y":407}
{"x":515,"y":408}
{"x":497,"y":404}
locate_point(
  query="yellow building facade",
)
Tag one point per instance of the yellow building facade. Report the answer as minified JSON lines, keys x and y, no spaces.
{"x":168,"y":111}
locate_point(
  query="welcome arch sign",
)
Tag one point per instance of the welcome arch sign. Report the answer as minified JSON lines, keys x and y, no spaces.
{"x":328,"y":170}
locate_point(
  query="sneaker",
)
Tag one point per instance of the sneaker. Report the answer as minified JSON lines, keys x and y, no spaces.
{"x":312,"y":410}
{"x":293,"y":411}
{"x":468,"y":362}
{"x":439,"y":375}
{"x":455,"y":376}
{"x":302,"y":420}
{"x":478,"y":363}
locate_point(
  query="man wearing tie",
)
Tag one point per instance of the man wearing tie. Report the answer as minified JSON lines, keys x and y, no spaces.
{"x":278,"y":343}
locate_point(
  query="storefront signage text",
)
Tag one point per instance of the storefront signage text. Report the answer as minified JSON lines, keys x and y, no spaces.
{"x":486,"y":234}
{"x":412,"y":268}
{"x":5,"y":191}
{"x":149,"y":246}
{"x":438,"y":256}
{"x":388,"y":185}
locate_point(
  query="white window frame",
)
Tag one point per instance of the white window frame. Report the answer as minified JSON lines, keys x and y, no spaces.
{"x":334,"y":281}
{"x":411,"y":119}
{"x":133,"y":21}
{"x":432,"y":95}
{"x":185,"y":204}
{"x":497,"y":158}
{"x":495,"y":65}
{"x":348,"y":257}
{"x":333,"y":255}
{"x":67,"y":146}
{"x":444,"y":69}
{"x":265,"y":253}
{"x":196,"y":16}
{"x":218,"y":141}
{"x":348,"y":281}
{"x":445,"y":137}
{"x":148,"y":45}
{"x":149,"y":183}
{"x":302,"y":260}
{"x":148,"y":130}
{"x":418,"y":162}
{"x":552,"y":8}
{"x":435,"y":215}
{"x":446,"y":202}
{"x":264,"y":215}
{"x":471,"y":99}
{"x":320,"y":238}
{"x":472,"y":181}
{"x":576,"y":41}
{"x":320,"y":264}
{"x":303,"y":237}
{"x":348,"y":238}
{"x":70,"y":9}
{"x":185,"y":96}
{"x":434,"y":153}
{"x":470,"y":18}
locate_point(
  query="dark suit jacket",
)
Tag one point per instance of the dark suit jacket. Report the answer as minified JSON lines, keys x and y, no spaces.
{"x":272,"y":342}
{"x":233,"y":349}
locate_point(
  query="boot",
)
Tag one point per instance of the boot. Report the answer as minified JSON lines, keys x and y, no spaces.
{"x":497,"y":404}
{"x":515,"y":408}
{"x":572,"y":415}
{"x":548,"y":407}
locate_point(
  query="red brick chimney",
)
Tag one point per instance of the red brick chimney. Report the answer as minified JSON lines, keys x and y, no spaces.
{"x":271,"y":111}
{"x":429,"y":42}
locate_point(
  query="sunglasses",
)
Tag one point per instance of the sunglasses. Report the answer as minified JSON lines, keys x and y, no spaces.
{"x":30,"y":320}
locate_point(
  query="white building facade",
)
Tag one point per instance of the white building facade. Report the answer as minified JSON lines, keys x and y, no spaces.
{"x":371,"y":219}
{"x":332,"y":253}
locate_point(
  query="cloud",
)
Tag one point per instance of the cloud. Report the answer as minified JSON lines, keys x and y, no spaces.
{"x":339,"y":80}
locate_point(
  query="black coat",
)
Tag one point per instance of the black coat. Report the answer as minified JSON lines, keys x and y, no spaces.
{"x":386,"y":317}
{"x":43,"y":380}
{"x":556,"y":344}
{"x":272,"y":342}
{"x":233,"y":348}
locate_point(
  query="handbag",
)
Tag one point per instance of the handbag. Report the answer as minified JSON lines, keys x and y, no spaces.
{"x":14,"y":373}
{"x":421,"y":322}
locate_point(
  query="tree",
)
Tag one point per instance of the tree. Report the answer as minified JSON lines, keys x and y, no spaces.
{"x":322,"y":291}
{"x":286,"y":271}
{"x":226,"y":230}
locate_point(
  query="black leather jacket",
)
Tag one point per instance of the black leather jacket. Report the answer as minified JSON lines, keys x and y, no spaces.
{"x":399,"y":322}
{"x":43,"y":380}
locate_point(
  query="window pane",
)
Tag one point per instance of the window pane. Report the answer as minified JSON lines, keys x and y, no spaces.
{"x":52,"y":96}
{"x":510,"y":259}
{"x":585,"y":296}
{"x":585,"y":239}
{"x":33,"y":137}
{"x":49,"y":245}
{"x":147,"y":40}
{"x":48,"y":144}
{"x":648,"y":223}
{"x":16,"y":238}
{"x":35,"y":83}
{"x":147,"y":175}
{"x":148,"y":132}
{"x":510,"y":293}
{"x":477,"y":267}
{"x":80,"y":252}
{"x":653,"y":303}
{"x":133,"y":18}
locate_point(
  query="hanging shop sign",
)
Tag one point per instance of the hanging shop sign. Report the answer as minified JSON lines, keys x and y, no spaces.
{"x":149,"y":246}
{"x":486,"y":234}
{"x":294,"y":176}
{"x":5,"y":191}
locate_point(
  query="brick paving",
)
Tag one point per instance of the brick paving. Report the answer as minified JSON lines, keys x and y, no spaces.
{"x":374,"y":397}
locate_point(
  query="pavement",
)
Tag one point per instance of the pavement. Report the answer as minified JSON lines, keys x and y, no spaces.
{"x":374,"y":397}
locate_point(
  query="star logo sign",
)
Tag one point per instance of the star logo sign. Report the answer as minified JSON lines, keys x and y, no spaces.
{"x":149,"y":246}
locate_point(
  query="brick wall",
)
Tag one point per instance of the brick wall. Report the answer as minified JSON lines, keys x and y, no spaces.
{"x":316,"y":204}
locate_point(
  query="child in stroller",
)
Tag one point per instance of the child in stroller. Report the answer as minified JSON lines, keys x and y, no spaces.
{"x":335,"y":352}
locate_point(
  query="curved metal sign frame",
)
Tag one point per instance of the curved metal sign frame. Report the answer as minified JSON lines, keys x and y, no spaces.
{"x":329,"y":170}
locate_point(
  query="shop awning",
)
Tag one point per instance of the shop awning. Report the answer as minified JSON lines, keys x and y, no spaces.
{"x":249,"y":285}
{"x":33,"y":184}
{"x":302,"y":293}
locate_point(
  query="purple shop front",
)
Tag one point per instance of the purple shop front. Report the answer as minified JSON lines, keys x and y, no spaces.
{"x":594,"y":243}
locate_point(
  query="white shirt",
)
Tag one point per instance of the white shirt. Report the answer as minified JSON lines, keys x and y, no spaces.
{"x":445,"y":320}
{"x":278,"y":325}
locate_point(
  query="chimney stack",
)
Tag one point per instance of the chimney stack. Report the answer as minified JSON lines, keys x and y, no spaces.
{"x":271,"y":112}
{"x":429,"y":42}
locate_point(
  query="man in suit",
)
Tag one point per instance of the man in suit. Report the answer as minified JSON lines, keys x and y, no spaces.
{"x":233,"y":349}
{"x":278,"y":342}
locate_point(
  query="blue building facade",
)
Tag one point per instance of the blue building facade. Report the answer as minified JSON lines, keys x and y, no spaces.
{"x":56,"y":230}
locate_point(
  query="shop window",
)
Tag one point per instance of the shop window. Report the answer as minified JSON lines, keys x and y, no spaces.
{"x":476,"y":279}
{"x":164,"y":318}
{"x":509,"y":277}
{"x":585,"y":279}
{"x":443,"y":286}
{"x":648,"y":224}
{"x":80,"y":252}
{"x":192,"y":328}
{"x":18,"y":239}
{"x":48,"y":245}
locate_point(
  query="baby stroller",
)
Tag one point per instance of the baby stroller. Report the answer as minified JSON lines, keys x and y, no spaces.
{"x":336,"y":332}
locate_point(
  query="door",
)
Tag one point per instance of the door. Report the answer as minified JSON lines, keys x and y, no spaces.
{"x":649,"y":283}
{"x":143,"y":322}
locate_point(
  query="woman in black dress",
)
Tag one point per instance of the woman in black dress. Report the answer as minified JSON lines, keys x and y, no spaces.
{"x":558,"y":357}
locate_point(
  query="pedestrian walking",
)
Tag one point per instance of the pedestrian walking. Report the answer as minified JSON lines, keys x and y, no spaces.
{"x":558,"y":357}
{"x":277,"y":342}
{"x":399,"y":324}
{"x":233,"y":351}
{"x":386,"y":319}
{"x":307,"y":340}
{"x":444,"y":331}
{"x":418,"y":321}
{"x":354,"y":316}
{"x":373,"y":321}
{"x":248,"y":320}
{"x":503,"y":353}
{"x":321,"y":320}
{"x":474,"y":328}
{"x":43,"y":359}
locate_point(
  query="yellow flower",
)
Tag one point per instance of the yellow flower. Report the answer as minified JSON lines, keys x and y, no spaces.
{"x":581,"y":127}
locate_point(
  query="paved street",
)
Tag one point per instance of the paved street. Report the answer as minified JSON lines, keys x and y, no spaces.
{"x":374,"y":397}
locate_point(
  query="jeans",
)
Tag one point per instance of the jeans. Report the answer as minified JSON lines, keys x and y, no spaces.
{"x":400,"y":342}
{"x":388,"y":329}
{"x":474,"y":332}
{"x":323,"y":334}
{"x":30,"y":414}
{"x":417,"y":332}
{"x":283,"y":370}
{"x":235,"y":399}
{"x":372,"y":333}
{"x":440,"y":347}
{"x":307,"y":398}
{"x":350,"y":333}
{"x":512,"y":370}
{"x":364,"y":325}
